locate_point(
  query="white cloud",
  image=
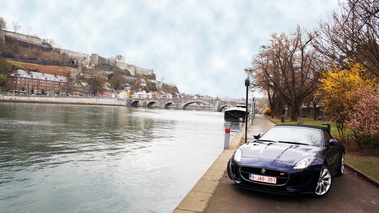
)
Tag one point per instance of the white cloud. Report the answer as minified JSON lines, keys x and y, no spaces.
{"x":202,"y":46}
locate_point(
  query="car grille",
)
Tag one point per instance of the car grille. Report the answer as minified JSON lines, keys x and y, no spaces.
{"x":281,"y":177}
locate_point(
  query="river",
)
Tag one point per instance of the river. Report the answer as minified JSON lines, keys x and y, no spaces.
{"x":82,"y":158}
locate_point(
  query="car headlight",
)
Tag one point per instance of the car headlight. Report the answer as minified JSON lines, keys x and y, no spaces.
{"x":304,"y":163}
{"x":238,"y":155}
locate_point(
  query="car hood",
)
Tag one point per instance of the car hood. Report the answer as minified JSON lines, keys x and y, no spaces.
{"x":285,"y":153}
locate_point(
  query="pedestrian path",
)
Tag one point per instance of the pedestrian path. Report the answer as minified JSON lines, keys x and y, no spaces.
{"x":198,"y":198}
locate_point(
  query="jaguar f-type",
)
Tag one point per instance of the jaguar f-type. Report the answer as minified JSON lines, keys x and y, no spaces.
{"x":289,"y":159}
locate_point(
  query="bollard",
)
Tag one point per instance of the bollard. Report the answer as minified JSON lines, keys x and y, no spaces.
{"x":240,"y":123}
{"x":227,"y":138}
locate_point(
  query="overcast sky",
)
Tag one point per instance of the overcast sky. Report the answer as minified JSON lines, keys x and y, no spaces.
{"x":201,"y":46}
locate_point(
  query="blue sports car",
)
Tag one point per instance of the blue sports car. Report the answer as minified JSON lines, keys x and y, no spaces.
{"x":289,"y":159}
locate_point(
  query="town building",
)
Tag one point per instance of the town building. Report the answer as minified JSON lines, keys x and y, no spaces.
{"x":42,"y":83}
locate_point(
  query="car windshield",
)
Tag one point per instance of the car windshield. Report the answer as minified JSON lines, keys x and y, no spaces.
{"x":294,"y":135}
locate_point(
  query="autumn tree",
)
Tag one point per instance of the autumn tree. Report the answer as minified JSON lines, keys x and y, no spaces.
{"x":288,"y":69}
{"x":335,"y":89}
{"x":352,"y":34}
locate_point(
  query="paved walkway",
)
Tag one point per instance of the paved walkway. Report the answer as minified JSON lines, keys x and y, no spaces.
{"x":200,"y":195}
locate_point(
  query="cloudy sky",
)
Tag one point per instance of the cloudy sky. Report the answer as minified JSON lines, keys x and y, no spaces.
{"x":202,"y":46}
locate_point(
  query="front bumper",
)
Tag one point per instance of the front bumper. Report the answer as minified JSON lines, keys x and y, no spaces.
{"x":288,"y":181}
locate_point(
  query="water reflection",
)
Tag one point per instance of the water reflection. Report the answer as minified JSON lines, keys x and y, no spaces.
{"x":69,"y":158}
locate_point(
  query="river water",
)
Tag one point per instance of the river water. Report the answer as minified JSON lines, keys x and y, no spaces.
{"x":77,"y":158}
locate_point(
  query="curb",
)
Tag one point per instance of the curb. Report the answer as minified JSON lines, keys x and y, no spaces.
{"x":363,"y":175}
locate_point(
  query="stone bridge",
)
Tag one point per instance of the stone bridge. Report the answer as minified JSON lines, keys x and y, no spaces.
{"x":213,"y":105}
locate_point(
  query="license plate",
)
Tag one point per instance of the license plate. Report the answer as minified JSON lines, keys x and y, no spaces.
{"x":263,"y":179}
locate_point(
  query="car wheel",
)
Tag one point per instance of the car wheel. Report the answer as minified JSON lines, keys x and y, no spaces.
{"x":342,"y":165}
{"x":324,"y":182}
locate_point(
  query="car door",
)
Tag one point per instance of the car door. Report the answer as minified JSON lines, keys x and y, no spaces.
{"x":332,"y":154}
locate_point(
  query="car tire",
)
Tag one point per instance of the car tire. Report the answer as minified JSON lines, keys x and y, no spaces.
{"x":324,"y":182}
{"x":342,"y":165}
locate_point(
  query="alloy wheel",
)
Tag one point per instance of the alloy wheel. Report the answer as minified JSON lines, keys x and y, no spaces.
{"x":342,"y":165}
{"x":324,"y":182}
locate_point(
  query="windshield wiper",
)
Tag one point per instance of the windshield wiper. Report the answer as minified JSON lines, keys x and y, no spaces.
{"x":291,"y":142}
{"x":267,"y":141}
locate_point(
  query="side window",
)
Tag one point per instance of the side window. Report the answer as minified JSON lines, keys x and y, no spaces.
{"x":327,"y":137}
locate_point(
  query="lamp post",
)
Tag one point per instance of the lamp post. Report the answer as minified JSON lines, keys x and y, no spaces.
{"x":252,"y":106}
{"x":247,"y":84}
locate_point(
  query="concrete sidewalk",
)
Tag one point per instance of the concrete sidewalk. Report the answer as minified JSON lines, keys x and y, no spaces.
{"x":200,"y":195}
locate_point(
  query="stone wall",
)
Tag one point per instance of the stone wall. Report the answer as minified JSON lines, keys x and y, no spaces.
{"x":139,"y":70}
{"x":30,"y":39}
{"x":80,"y":57}
{"x":25,"y":41}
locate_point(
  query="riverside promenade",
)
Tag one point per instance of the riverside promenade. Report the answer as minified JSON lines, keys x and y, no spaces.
{"x":197,"y":200}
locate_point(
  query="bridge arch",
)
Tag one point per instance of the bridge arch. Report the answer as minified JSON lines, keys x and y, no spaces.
{"x":151,"y":104}
{"x":185,"y":105}
{"x":134,"y":103}
{"x":223,"y":107}
{"x":168,"y":104}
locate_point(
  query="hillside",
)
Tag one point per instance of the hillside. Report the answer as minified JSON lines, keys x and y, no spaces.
{"x":55,"y":70}
{"x":18,"y":51}
{"x":27,"y":50}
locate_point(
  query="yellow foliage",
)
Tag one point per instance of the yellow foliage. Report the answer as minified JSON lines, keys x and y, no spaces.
{"x":267,"y":110}
{"x":335,"y":90}
{"x":338,"y":83}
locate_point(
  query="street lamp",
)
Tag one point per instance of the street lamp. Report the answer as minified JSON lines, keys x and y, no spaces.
{"x":252,"y":106}
{"x":248,"y":71}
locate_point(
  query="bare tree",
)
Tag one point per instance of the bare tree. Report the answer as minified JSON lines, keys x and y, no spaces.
{"x":96,"y":83}
{"x":353,"y":34}
{"x":3,"y":24}
{"x":288,"y":69}
{"x":16,"y":26}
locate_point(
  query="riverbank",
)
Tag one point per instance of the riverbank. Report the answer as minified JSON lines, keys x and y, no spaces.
{"x":64,"y":100}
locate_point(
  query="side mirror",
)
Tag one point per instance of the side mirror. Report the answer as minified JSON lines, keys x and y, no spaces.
{"x":257,"y":136}
{"x":333,"y":142}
